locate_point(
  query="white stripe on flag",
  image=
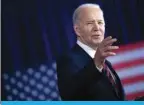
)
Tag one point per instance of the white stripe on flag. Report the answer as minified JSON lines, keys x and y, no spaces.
{"x":135,"y":87}
{"x":129,"y":64}
{"x":127,"y":56}
{"x":130,"y":72}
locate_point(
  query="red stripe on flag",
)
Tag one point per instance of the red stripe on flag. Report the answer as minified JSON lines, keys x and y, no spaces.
{"x":129,"y":64}
{"x":133,"y":79}
{"x":134,"y":95}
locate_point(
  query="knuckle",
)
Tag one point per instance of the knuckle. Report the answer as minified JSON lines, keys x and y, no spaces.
{"x":109,"y":47}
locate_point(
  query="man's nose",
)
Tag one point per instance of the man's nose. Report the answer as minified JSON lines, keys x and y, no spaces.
{"x":96,"y":26}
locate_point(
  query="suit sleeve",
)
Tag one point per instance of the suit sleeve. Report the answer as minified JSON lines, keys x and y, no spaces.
{"x":73,"y":81}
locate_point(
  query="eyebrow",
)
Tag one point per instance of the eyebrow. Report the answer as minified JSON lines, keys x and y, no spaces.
{"x":90,"y":21}
{"x":94,"y":21}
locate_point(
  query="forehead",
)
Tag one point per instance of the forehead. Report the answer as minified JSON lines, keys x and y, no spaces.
{"x":90,"y":13}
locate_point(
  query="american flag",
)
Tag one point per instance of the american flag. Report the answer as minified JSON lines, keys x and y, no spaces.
{"x":32,"y":84}
{"x":129,"y":64}
{"x":40,"y":83}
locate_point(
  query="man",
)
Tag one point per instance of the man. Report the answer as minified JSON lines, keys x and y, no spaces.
{"x":80,"y":71}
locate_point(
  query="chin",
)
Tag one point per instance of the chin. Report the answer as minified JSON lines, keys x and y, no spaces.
{"x":97,"y":41}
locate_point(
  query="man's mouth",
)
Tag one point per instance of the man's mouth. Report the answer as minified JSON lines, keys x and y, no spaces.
{"x":96,"y":36}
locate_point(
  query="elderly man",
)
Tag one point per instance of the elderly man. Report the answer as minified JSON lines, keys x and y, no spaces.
{"x":83,"y":72}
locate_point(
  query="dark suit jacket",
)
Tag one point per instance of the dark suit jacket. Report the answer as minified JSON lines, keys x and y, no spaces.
{"x":79,"y":79}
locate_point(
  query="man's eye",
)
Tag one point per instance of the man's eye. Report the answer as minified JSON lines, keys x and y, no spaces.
{"x":100,"y":22}
{"x":89,"y":23}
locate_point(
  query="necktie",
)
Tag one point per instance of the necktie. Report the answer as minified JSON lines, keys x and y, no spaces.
{"x":111,"y":78}
{"x":107,"y":72}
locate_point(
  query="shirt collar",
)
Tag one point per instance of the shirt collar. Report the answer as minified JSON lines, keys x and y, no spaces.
{"x":87,"y":49}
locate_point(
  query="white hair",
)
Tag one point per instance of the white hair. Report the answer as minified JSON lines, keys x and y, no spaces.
{"x":77,"y":11}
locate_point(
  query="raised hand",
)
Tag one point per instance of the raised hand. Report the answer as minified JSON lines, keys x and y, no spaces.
{"x":104,"y":50}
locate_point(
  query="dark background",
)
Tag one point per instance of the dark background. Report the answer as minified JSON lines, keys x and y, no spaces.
{"x":35,"y":32}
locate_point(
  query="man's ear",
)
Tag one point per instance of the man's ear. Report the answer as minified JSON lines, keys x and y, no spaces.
{"x":77,"y":30}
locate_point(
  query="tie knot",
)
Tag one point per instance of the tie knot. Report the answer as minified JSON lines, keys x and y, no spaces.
{"x":104,"y":70}
{"x":104,"y":66}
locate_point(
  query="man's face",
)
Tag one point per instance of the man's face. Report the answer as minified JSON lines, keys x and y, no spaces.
{"x":91,"y":26}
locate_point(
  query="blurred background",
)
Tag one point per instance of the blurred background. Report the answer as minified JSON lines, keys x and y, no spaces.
{"x":36,"y":32}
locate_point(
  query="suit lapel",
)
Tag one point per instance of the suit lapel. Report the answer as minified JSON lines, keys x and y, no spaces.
{"x":80,"y":57}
